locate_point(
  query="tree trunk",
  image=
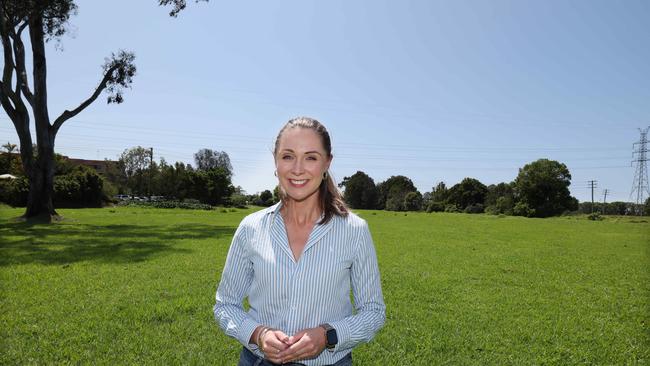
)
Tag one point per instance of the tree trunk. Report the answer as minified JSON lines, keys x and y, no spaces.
{"x":41,"y":183}
{"x":41,"y":174}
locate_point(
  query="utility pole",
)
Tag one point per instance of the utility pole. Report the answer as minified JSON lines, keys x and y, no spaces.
{"x":640,"y":185}
{"x":605,"y":192}
{"x":150,"y":171}
{"x":592,"y":184}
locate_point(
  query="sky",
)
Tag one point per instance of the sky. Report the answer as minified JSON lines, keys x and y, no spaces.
{"x":433,"y":90}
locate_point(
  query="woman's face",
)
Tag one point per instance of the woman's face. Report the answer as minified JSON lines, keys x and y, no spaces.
{"x":300,"y":161}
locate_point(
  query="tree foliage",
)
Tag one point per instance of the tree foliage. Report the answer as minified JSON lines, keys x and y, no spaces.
{"x":469,"y":192}
{"x":136,"y":166}
{"x":500,"y":198}
{"x":439,"y":193}
{"x":177,"y":5}
{"x":207,"y":159}
{"x":81,"y":187}
{"x":413,"y":201}
{"x":138,"y":175}
{"x":392,"y":192}
{"x":209,"y":186}
{"x":266,"y":198}
{"x":543,"y":186}
{"x":360,"y":191}
{"x":9,"y":162}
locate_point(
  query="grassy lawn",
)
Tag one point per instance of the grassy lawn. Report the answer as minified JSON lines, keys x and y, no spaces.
{"x":136,"y":286}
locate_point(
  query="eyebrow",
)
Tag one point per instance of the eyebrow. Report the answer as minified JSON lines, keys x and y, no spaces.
{"x":307,"y":152}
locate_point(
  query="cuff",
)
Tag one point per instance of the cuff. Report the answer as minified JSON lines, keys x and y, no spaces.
{"x":343,"y":335}
{"x":246,"y":330}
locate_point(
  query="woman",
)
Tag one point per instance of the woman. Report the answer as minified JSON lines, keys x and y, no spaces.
{"x":297,"y":261}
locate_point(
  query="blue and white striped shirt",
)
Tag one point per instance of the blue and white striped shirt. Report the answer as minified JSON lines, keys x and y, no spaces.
{"x":294,"y":295}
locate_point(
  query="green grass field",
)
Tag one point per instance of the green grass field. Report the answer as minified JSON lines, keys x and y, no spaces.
{"x":136,"y":286}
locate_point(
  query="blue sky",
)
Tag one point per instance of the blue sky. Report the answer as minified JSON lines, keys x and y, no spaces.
{"x":433,"y":90}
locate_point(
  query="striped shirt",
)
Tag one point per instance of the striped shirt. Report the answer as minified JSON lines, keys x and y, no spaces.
{"x":291,"y":295}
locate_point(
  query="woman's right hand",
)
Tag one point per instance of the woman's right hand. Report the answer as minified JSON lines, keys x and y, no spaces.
{"x":271,"y":343}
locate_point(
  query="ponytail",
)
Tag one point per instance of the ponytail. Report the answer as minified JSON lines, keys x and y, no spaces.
{"x":331,"y":200}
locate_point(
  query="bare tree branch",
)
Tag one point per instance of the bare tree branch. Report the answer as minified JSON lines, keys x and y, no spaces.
{"x":69,"y":114}
{"x":9,"y":67}
{"x":21,"y":28}
{"x":6,"y":103}
{"x":119,"y":70}
{"x":21,"y":72}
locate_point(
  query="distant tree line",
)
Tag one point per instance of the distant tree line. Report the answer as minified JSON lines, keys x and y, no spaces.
{"x":135,"y":174}
{"x":541,"y":189}
{"x":209,"y":181}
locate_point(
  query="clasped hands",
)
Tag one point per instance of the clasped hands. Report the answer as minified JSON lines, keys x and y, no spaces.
{"x":281,"y":348}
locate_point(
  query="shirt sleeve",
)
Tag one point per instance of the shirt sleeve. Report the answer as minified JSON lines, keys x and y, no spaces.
{"x":235,"y":281}
{"x":368,"y":299}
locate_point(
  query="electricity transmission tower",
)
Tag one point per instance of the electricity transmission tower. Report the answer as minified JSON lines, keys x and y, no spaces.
{"x":640,"y":185}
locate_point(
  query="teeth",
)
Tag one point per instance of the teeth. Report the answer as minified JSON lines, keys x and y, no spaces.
{"x":298,"y":182}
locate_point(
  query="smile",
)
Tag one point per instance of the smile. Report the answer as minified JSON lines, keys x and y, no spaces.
{"x":298,"y":182}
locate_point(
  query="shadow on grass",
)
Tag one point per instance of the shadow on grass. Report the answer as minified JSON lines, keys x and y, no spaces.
{"x":23,"y":243}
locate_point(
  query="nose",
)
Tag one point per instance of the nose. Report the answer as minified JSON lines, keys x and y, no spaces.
{"x":297,"y":167}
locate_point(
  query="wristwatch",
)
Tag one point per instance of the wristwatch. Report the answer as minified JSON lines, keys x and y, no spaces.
{"x":330,"y":335}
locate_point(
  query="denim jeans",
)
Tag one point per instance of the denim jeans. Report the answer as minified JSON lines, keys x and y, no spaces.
{"x":248,"y":358}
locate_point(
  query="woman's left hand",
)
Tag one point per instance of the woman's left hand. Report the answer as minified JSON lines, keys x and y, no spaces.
{"x":305,"y":344}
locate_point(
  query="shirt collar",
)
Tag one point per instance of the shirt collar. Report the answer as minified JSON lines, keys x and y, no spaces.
{"x":275,"y":210}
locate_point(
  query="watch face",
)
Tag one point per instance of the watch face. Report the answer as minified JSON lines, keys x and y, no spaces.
{"x":332,"y":339}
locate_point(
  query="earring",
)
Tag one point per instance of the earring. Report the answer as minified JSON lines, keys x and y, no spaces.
{"x":324,"y":175}
{"x":275,"y":172}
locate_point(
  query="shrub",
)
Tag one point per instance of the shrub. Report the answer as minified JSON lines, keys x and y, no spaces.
{"x":522,"y":209}
{"x":109,"y":191}
{"x":14,"y":191}
{"x":238,"y":200}
{"x":451,"y":208}
{"x":413,"y":201}
{"x":504,"y":205}
{"x":167,"y":204}
{"x":436,"y":207}
{"x":595,"y":217}
{"x":394,"y":204}
{"x":82,"y":187}
{"x":474,"y":209}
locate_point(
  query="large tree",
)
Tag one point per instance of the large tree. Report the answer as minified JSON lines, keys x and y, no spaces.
{"x":392,"y":192}
{"x":207,"y":159}
{"x":468,"y":192}
{"x":43,"y":21}
{"x":136,"y":166}
{"x":360,"y":191}
{"x":543,"y":185}
{"x":439,"y":193}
